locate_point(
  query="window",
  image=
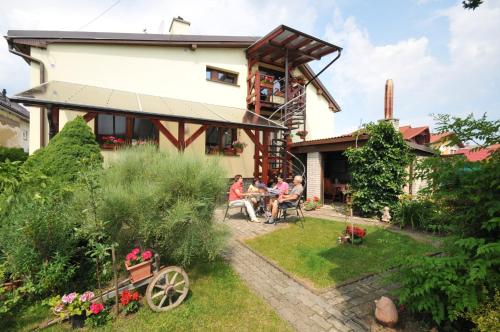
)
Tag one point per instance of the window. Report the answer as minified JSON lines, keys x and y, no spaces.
{"x":131,"y":130}
{"x":219,"y":75}
{"x":216,"y":139}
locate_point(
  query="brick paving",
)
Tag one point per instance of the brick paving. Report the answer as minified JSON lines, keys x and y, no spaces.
{"x":346,"y":308}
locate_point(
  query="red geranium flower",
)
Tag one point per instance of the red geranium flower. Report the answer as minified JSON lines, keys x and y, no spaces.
{"x":96,"y":308}
{"x":135,"y":251}
{"x":147,"y":255}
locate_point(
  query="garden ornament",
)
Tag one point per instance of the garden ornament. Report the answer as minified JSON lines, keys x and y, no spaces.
{"x":386,"y":217}
{"x":386,"y":312}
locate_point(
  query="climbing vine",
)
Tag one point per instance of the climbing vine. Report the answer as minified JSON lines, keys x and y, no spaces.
{"x":378,"y":169}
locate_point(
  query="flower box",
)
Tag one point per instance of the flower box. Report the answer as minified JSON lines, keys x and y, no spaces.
{"x":106,"y":146}
{"x":139,"y":271}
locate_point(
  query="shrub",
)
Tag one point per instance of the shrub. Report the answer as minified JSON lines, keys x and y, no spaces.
{"x":165,"y":202}
{"x":38,"y":214}
{"x":378,"y":169}
{"x":12,"y":154}
{"x":67,"y":153}
{"x":419,"y":213}
{"x":487,"y":316}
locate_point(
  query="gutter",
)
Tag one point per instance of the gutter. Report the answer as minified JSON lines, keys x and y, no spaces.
{"x":29,"y":58}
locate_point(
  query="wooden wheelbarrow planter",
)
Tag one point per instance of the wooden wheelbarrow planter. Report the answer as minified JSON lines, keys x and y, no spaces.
{"x":166,"y":288}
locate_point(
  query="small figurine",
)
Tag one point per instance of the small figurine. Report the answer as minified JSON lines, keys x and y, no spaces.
{"x":386,"y":217}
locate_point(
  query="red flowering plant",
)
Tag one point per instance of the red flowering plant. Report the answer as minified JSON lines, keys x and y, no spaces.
{"x":112,"y":140}
{"x":356,"y":234}
{"x":97,"y":315}
{"x":312,"y":204}
{"x":129,"y":301}
{"x":135,"y":256}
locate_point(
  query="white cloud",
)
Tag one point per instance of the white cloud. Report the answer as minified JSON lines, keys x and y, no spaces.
{"x":423,"y":85}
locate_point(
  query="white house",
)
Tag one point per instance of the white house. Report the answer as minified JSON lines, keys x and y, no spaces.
{"x":193,"y":93}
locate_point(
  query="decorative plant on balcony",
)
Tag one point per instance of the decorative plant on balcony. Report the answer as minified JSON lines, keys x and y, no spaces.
{"x":139,"y":264}
{"x":267,"y":79}
{"x":130,"y":301}
{"x":239,"y":146}
{"x":302,"y":133}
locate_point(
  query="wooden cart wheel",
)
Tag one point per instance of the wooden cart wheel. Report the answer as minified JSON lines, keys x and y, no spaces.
{"x":168,"y":289}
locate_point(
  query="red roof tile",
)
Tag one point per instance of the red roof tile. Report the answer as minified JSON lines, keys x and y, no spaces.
{"x":478,"y":155}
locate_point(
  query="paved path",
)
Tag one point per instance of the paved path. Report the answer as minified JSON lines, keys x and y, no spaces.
{"x":348,"y":308}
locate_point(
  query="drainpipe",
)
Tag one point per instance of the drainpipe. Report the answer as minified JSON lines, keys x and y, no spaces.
{"x":42,"y":80}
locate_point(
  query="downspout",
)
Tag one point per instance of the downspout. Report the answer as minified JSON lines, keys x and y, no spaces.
{"x":42,"y":80}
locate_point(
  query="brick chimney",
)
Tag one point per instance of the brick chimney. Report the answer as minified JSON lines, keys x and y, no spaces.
{"x":388,"y":104}
{"x":179,"y":26}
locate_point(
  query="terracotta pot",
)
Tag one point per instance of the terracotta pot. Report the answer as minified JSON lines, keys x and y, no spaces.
{"x":107,"y":146}
{"x":139,"y":271}
{"x":229,"y":152}
{"x":238,"y":150}
{"x":78,"y":321}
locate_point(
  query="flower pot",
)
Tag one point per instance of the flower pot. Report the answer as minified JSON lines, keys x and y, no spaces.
{"x":107,"y":146}
{"x":78,"y":321}
{"x":139,"y":271}
{"x":238,"y":150}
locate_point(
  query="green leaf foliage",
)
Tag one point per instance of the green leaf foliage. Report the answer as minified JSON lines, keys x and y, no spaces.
{"x":378,"y":169}
{"x":452,"y":286}
{"x":165,"y":202}
{"x":12,"y":154}
{"x":67,"y":153}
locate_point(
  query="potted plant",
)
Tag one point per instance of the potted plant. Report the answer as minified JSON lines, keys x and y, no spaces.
{"x":97,"y":315}
{"x":139,"y":264}
{"x":239,"y":146}
{"x":228,"y":151}
{"x":302,"y":133}
{"x":72,"y":306}
{"x":111,"y":142}
{"x":129,"y":301}
{"x":355,"y":234}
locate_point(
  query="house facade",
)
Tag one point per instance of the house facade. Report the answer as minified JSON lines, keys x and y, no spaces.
{"x":14,"y":124}
{"x":443,"y":142}
{"x":192,"y":93}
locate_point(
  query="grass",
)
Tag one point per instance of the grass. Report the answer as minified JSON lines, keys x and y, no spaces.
{"x":313,"y":255}
{"x":218,"y":301}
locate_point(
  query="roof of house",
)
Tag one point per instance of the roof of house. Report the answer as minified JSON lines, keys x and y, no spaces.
{"x":24,"y":39}
{"x":435,"y":138}
{"x":14,"y":108}
{"x":409,"y":132}
{"x":478,"y":155}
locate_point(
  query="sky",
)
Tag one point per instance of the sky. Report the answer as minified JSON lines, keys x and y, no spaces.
{"x":441,"y":57}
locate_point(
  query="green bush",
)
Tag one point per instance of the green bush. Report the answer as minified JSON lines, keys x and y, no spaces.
{"x":487,"y":316}
{"x":378,"y":169}
{"x":67,"y":153}
{"x":38,"y":215}
{"x":164,"y":201}
{"x":419,"y":213}
{"x":467,"y":195}
{"x":12,"y":154}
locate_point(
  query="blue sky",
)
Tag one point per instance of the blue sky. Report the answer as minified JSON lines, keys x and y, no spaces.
{"x":442,"y":58}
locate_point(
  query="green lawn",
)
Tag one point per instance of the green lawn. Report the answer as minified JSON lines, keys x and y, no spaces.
{"x":219,"y":301}
{"x":313,"y":254}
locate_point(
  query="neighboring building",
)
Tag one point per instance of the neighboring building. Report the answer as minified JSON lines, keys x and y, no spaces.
{"x":14,"y":124}
{"x":328,"y":168}
{"x":478,"y":154}
{"x":195,"y":93}
{"x":443,"y":143}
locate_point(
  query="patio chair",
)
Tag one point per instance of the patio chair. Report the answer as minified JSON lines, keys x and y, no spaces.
{"x":297,"y":208}
{"x":242,"y":210}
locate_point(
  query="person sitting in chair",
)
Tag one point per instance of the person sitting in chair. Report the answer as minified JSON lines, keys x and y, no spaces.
{"x":237,"y":197}
{"x":287,"y":201}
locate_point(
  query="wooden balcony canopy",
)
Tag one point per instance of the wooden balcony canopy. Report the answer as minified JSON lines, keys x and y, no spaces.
{"x":86,"y":98}
{"x":301,"y":47}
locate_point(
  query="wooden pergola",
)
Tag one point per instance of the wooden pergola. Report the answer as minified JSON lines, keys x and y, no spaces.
{"x":91,"y":101}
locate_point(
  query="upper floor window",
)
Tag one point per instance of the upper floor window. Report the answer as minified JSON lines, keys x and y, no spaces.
{"x":220,"y":75}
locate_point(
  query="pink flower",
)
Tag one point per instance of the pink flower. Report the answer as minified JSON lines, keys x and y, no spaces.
{"x":131,"y":257}
{"x":68,"y":298}
{"x":135,"y":251}
{"x":96,"y":308}
{"x":59,"y":308}
{"x":147,"y":255}
{"x":87,"y":296}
